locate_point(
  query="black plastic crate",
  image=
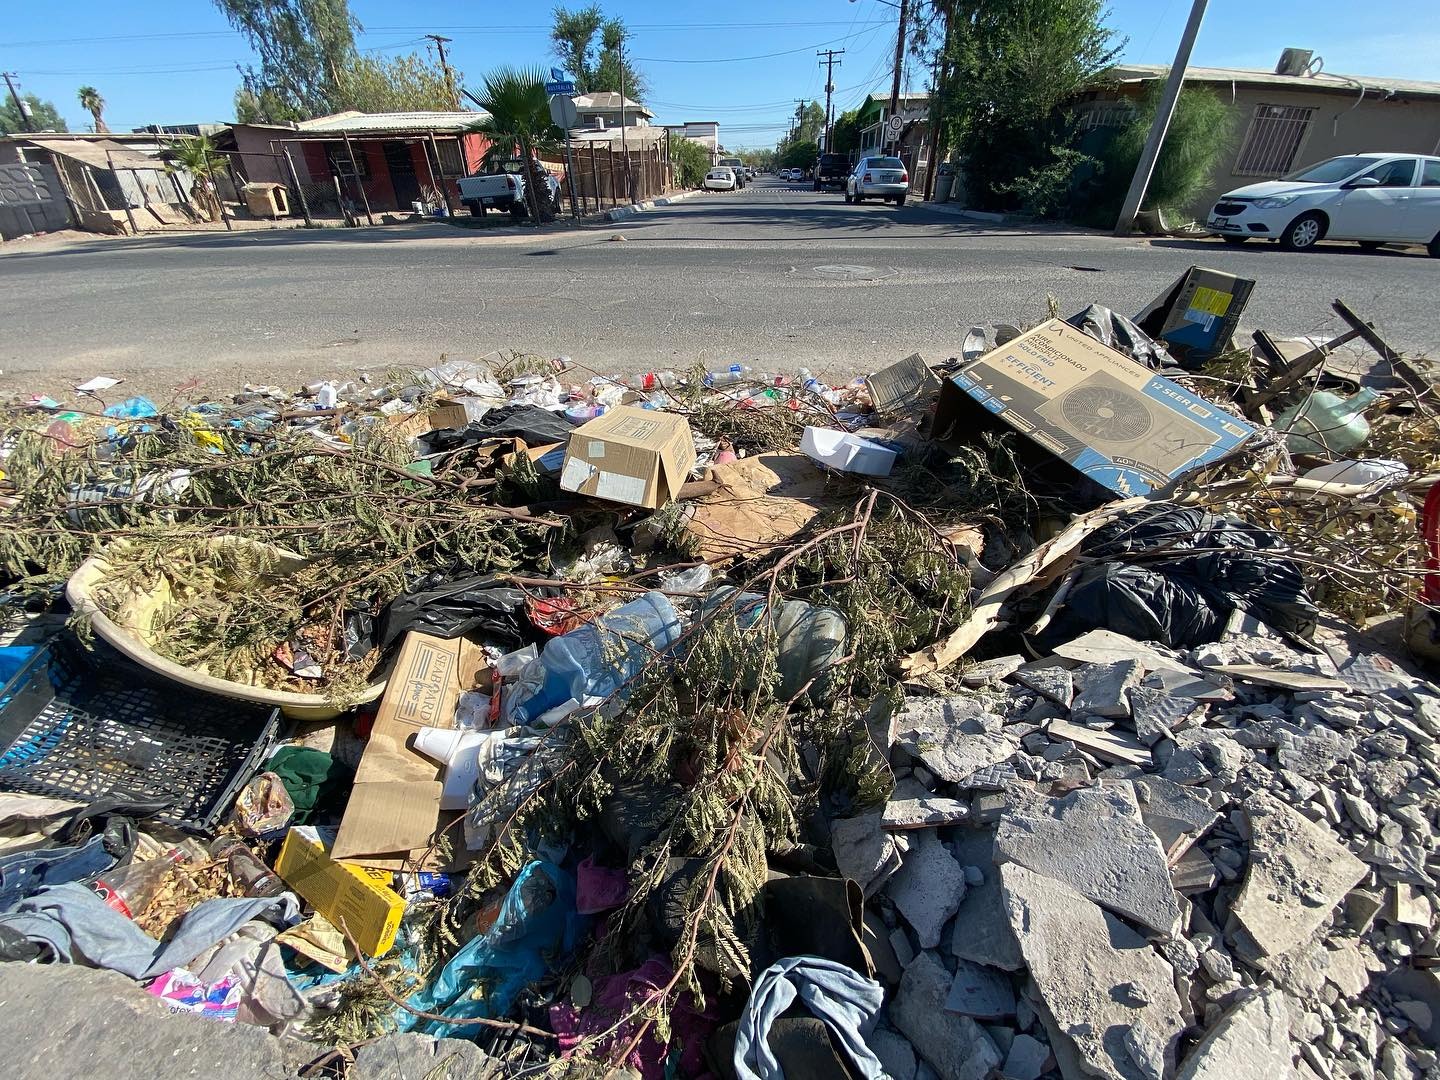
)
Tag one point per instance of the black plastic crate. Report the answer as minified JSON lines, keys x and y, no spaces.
{"x":88,"y":725}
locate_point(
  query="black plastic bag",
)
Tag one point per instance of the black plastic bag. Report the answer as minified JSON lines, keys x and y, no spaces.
{"x":537,"y":426}
{"x":448,"y":609}
{"x":1174,"y":574}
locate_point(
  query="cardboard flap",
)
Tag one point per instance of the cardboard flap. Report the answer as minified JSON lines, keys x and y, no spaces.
{"x":385,"y":818}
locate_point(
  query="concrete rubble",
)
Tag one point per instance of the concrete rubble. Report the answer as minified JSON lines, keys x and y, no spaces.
{"x":1210,"y":865}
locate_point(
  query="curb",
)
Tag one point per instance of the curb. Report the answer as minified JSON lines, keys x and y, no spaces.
{"x":622,"y":212}
{"x":969,"y":215}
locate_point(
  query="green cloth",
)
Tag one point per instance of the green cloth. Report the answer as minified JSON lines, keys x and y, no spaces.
{"x":312,"y":778}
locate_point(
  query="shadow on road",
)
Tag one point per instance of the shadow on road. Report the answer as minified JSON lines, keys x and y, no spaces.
{"x":1265,"y":247}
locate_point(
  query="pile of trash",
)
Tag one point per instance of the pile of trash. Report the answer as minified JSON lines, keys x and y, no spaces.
{"x":1041,"y":713}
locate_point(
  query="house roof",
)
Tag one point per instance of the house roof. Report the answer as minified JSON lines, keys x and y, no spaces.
{"x":609,"y":100}
{"x":636,"y":136}
{"x":359,"y":123}
{"x":100,"y":153}
{"x":1322,"y":82}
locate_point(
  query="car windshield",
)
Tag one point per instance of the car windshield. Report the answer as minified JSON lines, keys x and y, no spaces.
{"x":886,"y":163}
{"x":1332,"y":171}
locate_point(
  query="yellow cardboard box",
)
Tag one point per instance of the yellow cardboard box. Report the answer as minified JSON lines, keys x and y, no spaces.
{"x":356,"y":896}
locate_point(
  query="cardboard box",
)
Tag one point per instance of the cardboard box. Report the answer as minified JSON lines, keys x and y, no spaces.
{"x":1197,"y":315}
{"x":629,"y":455}
{"x":362,"y":899}
{"x":394,"y":807}
{"x":902,"y":388}
{"x":1115,"y":420}
{"x":445,"y":414}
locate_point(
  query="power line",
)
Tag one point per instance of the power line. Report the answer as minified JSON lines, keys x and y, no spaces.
{"x":739,"y":59}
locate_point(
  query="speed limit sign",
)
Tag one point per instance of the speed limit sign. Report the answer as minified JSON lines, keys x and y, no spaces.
{"x":895,"y":125}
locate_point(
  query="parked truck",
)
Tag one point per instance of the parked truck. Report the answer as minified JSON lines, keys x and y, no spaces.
{"x":503,"y":189}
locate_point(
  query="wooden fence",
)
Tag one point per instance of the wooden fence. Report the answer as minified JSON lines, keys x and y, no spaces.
{"x":601,"y":179}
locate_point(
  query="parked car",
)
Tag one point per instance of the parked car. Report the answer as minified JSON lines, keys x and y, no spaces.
{"x":720,"y":178}
{"x":503,"y":188}
{"x":736,"y":167}
{"x":1372,"y":198}
{"x":831,"y":171}
{"x":882,"y":178}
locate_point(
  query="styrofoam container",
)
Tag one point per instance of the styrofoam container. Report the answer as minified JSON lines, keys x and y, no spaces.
{"x":846,"y":452}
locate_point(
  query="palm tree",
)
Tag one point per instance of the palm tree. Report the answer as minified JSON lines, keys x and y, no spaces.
{"x":197,"y":156}
{"x":94,"y":104}
{"x":519,"y":119}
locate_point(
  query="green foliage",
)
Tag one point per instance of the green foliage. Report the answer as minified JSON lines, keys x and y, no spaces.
{"x":303,"y":46}
{"x":1198,"y":137}
{"x":596,"y":65}
{"x":1045,"y":190}
{"x":91,"y":101}
{"x":1016,"y":64}
{"x":43,"y":115}
{"x":691,"y":161}
{"x":519,"y":119}
{"x":407,"y":83}
{"x":197,"y":156}
{"x":801,"y":155}
{"x":846,"y":133}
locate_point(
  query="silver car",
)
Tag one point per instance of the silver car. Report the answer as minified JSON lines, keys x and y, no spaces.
{"x":883,"y":178}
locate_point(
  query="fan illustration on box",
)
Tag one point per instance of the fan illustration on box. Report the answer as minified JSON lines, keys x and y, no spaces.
{"x":1104,"y":411}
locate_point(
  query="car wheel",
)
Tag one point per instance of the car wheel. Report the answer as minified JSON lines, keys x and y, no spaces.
{"x":1434,"y":247}
{"x":1370,"y":245}
{"x":1234,"y":241}
{"x":517,"y":211}
{"x":477,"y":209}
{"x":1303,"y":233}
{"x":899,"y":201}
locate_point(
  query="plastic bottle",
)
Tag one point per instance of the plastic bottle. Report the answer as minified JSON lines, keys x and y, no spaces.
{"x":653,"y":380}
{"x":597,"y":659}
{"x":253,"y":876}
{"x":725,"y":376}
{"x":129,"y":889}
{"x":1326,"y":423}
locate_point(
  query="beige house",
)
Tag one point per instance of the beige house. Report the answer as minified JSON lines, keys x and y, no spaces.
{"x":603,"y":110}
{"x":1286,"y":121}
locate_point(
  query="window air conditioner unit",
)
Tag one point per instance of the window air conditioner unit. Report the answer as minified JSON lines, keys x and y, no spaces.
{"x":1294,"y":62}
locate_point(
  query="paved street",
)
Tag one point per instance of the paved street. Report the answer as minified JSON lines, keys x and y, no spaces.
{"x":775,"y":273}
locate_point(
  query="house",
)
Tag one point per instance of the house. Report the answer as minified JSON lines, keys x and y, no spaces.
{"x":602,"y":110}
{"x":112,"y":181}
{"x":914,"y":141}
{"x":1287,"y":118}
{"x":704,"y":132}
{"x":383,"y":160}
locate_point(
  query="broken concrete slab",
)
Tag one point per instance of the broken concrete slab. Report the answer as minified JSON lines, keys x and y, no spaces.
{"x":983,"y":993}
{"x":928,"y":888}
{"x":1283,"y":678}
{"x":1095,"y":976}
{"x":1106,"y":647}
{"x":981,"y":932}
{"x":1156,"y":715}
{"x":1096,"y":841}
{"x":1298,"y":873}
{"x":1027,"y":1059}
{"x":1251,"y":1041}
{"x":1194,"y":873}
{"x":864,"y":852}
{"x":923,"y":813}
{"x":896,"y":1055}
{"x":955,"y":1046}
{"x":1177,"y":815}
{"x":952,"y":736}
{"x":1103,"y":689}
{"x":988,"y":672}
{"x":1110,"y":745}
{"x":1051,"y":682}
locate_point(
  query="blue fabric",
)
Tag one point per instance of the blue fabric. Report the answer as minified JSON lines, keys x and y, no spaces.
{"x":13,"y":658}
{"x":25,"y":873}
{"x":537,"y":928}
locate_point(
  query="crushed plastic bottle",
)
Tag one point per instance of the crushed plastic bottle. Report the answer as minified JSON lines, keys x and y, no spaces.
{"x":1326,"y":423}
{"x":725,"y":376}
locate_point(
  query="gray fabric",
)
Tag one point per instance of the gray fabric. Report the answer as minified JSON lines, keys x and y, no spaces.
{"x":76,"y":925}
{"x":843,"y":998}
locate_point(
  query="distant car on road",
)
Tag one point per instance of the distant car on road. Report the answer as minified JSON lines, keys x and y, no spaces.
{"x":883,"y":178}
{"x":721,"y":178}
{"x":831,"y":171}
{"x":1371,"y":198}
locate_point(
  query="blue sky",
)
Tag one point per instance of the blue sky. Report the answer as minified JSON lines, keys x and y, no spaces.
{"x":173,"y":61}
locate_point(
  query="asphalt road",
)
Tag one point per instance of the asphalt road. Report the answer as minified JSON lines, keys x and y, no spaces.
{"x":775,"y":275}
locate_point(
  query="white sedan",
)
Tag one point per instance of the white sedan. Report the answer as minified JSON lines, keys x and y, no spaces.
{"x":720,"y":179}
{"x":1373,"y":199}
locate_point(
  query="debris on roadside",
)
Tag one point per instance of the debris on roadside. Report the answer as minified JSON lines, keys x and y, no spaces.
{"x":1026,"y":715}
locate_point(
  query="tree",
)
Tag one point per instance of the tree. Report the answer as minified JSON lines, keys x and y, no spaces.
{"x":43,"y":116}
{"x":800,"y":155}
{"x":197,"y":156}
{"x":597,"y":67}
{"x":846,"y":133}
{"x":404,"y":84}
{"x":1015,"y":67}
{"x":304,"y":47}
{"x":691,"y":161}
{"x":519,"y":118}
{"x":94,"y":104}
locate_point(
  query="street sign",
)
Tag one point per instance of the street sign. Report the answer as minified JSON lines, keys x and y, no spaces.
{"x":555,"y":88}
{"x":895,"y":125}
{"x":562,"y":112}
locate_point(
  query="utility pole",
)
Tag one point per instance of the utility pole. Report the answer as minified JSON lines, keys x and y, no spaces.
{"x":624,"y":143}
{"x":1151,"y":153}
{"x":20,"y":106}
{"x":830,"y":63}
{"x":440,"y":43}
{"x":899,"y":60}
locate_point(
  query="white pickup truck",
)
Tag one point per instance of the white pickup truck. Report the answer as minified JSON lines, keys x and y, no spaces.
{"x":505,"y":190}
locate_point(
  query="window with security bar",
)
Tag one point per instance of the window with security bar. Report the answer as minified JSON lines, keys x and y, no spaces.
{"x":1273,"y":140}
{"x":451,"y":163}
